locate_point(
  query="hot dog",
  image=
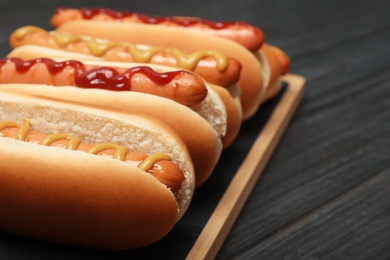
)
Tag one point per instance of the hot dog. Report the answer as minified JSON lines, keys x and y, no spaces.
{"x":245,"y":34}
{"x":181,"y":86}
{"x":223,"y":113}
{"x":201,"y":139}
{"x":213,"y":66}
{"x":83,"y":22}
{"x":53,"y":193}
{"x":158,"y":164}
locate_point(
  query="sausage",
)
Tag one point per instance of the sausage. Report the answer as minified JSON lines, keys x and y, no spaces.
{"x":157,"y":164}
{"x":245,"y":34}
{"x":213,"y":66}
{"x":181,"y":86}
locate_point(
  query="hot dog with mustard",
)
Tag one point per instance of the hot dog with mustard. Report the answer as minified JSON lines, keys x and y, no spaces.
{"x":213,"y":66}
{"x":90,"y":177}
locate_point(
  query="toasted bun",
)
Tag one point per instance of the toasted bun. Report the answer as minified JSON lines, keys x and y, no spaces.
{"x":198,"y":135}
{"x":53,"y":193}
{"x":250,"y":81}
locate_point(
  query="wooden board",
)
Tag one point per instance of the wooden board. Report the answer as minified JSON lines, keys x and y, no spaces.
{"x":222,"y":219}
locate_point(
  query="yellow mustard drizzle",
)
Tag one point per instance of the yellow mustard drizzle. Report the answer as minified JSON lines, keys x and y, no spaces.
{"x":23,"y":128}
{"x":97,"y":48}
{"x":74,"y":142}
{"x":189,"y":61}
{"x":120,"y":153}
{"x":148,"y":163}
{"x":64,"y":40}
{"x":143,"y":55}
{"x":23,"y":31}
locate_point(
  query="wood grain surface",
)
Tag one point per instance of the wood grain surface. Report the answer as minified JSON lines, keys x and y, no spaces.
{"x":325,"y":193}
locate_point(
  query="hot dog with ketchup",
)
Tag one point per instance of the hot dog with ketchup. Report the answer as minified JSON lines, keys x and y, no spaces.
{"x":60,"y":182}
{"x":181,"y":86}
{"x":218,"y":107}
{"x":255,"y":84}
{"x":243,"y":33}
{"x":249,"y":36}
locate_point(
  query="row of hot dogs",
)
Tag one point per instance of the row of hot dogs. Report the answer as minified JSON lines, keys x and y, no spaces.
{"x":161,"y":95}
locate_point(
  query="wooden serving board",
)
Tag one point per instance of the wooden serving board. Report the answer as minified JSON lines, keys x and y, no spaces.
{"x":227,"y":210}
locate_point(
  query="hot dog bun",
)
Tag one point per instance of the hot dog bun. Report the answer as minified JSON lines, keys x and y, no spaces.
{"x":223,"y":113}
{"x":275,"y":64}
{"x":201,"y":139}
{"x":84,"y":199}
{"x":251,"y":82}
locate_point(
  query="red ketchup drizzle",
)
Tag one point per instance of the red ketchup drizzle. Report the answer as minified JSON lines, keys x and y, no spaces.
{"x":100,"y":77}
{"x":88,"y":13}
{"x":110,"y":79}
{"x":53,"y":67}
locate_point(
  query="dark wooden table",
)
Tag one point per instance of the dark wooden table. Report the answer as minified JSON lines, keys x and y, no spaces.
{"x":325,"y":193}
